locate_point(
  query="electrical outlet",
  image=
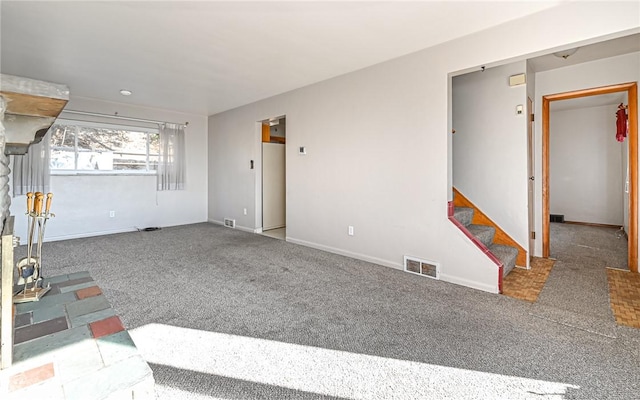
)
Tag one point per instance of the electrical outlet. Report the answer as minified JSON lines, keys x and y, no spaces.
{"x":112,"y":214}
{"x":244,"y":211}
{"x":350,"y":230}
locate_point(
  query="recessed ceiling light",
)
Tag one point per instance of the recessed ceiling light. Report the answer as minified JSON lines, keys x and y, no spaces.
{"x":126,"y":92}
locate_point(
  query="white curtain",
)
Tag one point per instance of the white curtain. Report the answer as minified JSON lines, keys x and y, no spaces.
{"x":31,"y":171}
{"x":171,"y":163}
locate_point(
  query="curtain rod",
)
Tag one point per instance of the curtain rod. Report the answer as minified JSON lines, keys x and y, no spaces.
{"x":121,"y":117}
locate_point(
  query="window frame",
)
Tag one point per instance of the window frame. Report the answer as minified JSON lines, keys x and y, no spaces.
{"x":104,"y":125}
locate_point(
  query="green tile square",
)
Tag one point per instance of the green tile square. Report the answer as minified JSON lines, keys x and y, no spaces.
{"x":92,"y":317}
{"x":46,"y":301}
{"x":77,"y":275}
{"x":116,"y":347}
{"x":78,"y":359}
{"x":50,"y":343}
{"x":86,"y":306}
{"x":48,"y":313}
{"x":109,"y":380}
{"x":56,"y":279}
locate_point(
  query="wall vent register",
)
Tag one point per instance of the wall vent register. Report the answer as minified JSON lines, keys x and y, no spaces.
{"x":422,"y":267}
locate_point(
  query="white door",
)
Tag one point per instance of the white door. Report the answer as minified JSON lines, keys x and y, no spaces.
{"x":273,"y":186}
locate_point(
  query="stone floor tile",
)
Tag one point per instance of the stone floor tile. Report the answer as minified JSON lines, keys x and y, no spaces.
{"x":50,"y":390}
{"x":145,"y":390}
{"x":88,"y":292}
{"x":53,"y":290}
{"x":42,"y":329}
{"x":31,"y":377}
{"x":73,"y":282}
{"x":78,"y":359}
{"x":45,"y":314}
{"x":56,"y":279}
{"x":81,"y":274}
{"x":44,"y":345}
{"x":116,"y":347}
{"x":86,"y":306}
{"x":106,"y":327}
{"x":73,"y":288}
{"x":22,"y":319}
{"x":92,"y":317}
{"x":114,"y":378}
{"x":46,"y":301}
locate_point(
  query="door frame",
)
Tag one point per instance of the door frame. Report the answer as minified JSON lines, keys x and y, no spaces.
{"x":531,"y":187}
{"x":632,"y":94}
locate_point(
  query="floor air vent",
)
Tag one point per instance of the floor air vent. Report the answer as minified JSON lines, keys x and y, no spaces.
{"x":231,"y":223}
{"x":556,"y":217}
{"x":422,"y":267}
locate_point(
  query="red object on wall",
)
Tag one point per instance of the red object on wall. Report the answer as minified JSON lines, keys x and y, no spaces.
{"x":621,"y":123}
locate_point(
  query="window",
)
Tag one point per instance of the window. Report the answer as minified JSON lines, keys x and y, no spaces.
{"x":88,"y":147}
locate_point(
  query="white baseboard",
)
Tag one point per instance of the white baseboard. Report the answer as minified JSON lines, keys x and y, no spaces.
{"x":88,"y":234}
{"x":238,"y":227}
{"x":346,"y":253}
{"x":375,"y":260}
{"x":472,"y":284}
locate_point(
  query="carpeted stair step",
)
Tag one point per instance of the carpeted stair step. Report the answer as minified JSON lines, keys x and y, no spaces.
{"x":483,"y":233}
{"x":463,"y":215}
{"x":506,"y":254}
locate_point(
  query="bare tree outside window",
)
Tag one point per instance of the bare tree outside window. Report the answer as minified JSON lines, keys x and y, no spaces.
{"x":85,"y":147}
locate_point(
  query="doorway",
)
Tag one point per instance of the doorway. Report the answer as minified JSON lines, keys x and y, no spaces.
{"x":631,"y":90}
{"x":273,"y":143}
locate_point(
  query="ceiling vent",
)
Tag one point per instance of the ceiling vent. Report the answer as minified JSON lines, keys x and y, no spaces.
{"x":230,"y":223}
{"x":422,"y":267}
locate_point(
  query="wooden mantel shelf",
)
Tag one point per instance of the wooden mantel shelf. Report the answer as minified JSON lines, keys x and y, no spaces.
{"x":31,"y":108}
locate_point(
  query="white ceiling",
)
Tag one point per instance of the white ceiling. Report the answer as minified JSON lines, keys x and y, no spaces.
{"x":604,"y":49}
{"x":207,"y":57}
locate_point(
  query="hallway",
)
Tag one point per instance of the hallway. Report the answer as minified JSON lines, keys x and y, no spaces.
{"x":578,"y":279}
{"x":585,"y":284}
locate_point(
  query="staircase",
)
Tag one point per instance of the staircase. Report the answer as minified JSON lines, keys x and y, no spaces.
{"x":485,"y":234}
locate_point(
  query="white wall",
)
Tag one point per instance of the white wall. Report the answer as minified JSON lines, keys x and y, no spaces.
{"x":82,"y":203}
{"x":585,"y":162}
{"x":609,"y":71}
{"x":383,"y":165}
{"x":488,"y":163}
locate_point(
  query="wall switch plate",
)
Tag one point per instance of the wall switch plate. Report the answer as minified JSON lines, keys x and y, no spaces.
{"x":112,"y":214}
{"x":244,"y":211}
{"x":302,"y":150}
{"x":350,"y":230}
{"x":519,"y":109}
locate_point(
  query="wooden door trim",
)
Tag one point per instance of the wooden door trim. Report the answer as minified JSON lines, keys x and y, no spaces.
{"x":632,"y":94}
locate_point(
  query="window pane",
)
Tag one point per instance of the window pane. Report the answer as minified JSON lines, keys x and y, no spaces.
{"x":131,"y":152}
{"x":94,"y":152}
{"x":153,"y":162}
{"x":102,"y":148}
{"x":62,"y":147}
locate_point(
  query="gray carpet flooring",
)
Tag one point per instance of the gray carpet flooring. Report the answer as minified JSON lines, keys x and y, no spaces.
{"x":224,"y":314}
{"x":578,"y":280}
